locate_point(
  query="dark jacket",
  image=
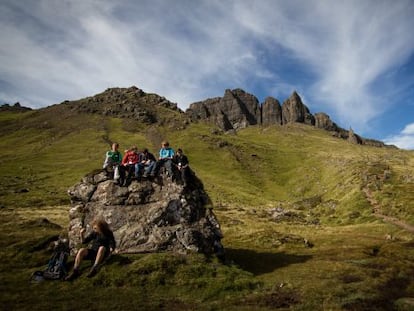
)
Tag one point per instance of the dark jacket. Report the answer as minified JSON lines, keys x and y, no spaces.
{"x":148,"y":156}
{"x":181,"y":160}
{"x":99,"y":240}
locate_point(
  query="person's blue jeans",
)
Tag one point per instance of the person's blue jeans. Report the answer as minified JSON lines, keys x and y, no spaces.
{"x":167,"y":163}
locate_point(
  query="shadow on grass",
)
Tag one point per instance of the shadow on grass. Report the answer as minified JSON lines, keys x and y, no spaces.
{"x":262,"y":262}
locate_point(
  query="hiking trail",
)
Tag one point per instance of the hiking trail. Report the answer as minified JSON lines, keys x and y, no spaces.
{"x":376,"y":209}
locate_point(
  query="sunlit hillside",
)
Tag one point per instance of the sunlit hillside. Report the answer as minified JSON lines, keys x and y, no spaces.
{"x":302,"y":214}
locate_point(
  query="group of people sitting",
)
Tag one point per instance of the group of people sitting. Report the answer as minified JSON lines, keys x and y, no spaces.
{"x":143,"y":164}
{"x":133,"y":164}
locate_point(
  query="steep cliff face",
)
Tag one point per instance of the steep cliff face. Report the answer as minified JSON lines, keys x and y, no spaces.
{"x":238,"y":109}
{"x":293,"y":110}
{"x":271,"y":112}
{"x":235,"y":110}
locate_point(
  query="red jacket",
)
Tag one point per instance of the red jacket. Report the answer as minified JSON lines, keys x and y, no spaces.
{"x":131,"y":157}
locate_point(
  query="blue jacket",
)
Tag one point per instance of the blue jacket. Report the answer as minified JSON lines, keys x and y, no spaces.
{"x":166,"y":153}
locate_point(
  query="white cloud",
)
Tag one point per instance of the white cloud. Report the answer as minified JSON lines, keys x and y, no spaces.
{"x":189,"y":50}
{"x":408,"y":130}
{"x":347,"y":44}
{"x":403,"y":140}
{"x":85,"y":47}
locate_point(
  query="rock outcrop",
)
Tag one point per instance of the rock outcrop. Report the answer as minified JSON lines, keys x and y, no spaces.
{"x":132,"y":103}
{"x":323,"y":121}
{"x":271,"y":112}
{"x":238,"y":109}
{"x":293,"y":110}
{"x":235,"y":110}
{"x":354,"y":138}
{"x":15,"y":108}
{"x":146,"y":216}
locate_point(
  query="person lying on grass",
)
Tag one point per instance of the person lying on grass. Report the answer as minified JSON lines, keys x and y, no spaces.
{"x":103,"y":244}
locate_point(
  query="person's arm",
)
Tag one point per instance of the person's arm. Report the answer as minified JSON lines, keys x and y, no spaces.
{"x":119,"y":158}
{"x":171,"y":153}
{"x":160,"y":154}
{"x":136,"y":158}
{"x":81,"y":234}
{"x":107,"y":160}
{"x":184,"y":161}
{"x":124,"y":159}
{"x":151,"y":157}
{"x":141,"y":158}
{"x":89,"y":238}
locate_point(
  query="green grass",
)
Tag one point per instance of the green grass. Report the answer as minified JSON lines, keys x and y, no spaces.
{"x":332,"y":254}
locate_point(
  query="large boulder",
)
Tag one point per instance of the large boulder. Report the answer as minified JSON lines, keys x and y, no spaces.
{"x":147,"y":216}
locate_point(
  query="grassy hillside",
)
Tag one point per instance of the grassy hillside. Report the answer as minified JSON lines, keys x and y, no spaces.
{"x":299,"y":230}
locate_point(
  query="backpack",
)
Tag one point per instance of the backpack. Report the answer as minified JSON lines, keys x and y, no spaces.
{"x":56,"y":267}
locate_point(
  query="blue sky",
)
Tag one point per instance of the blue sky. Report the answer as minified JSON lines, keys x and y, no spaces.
{"x":353,"y":60}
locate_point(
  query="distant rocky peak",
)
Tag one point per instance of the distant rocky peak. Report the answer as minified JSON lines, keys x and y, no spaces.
{"x":235,"y":110}
{"x":133,"y":95}
{"x":293,"y":110}
{"x":238,"y":109}
{"x":271,"y":112}
{"x":130,"y":103}
{"x":14,"y":108}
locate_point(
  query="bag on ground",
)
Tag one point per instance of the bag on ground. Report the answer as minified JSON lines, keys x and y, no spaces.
{"x":56,"y":268}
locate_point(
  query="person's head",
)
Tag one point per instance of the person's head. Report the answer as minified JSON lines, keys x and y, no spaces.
{"x":100,"y":226}
{"x":145,"y":151}
{"x":134,"y":148}
{"x":115,"y":146}
{"x":165,"y":144}
{"x":179,"y":151}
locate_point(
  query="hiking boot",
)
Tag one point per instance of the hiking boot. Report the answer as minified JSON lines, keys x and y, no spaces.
{"x":92,"y":272}
{"x":75,"y":273}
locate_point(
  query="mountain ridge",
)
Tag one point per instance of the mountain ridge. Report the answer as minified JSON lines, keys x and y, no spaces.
{"x":235,"y":110}
{"x":238,"y":109}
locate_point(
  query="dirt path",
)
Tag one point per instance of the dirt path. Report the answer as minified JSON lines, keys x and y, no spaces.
{"x":376,"y":209}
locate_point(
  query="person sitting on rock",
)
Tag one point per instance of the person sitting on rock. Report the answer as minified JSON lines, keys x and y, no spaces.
{"x":181,"y":162}
{"x":113,"y":159}
{"x":103,"y":244}
{"x":146,"y":163}
{"x":130,"y":164}
{"x":166,"y":155}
